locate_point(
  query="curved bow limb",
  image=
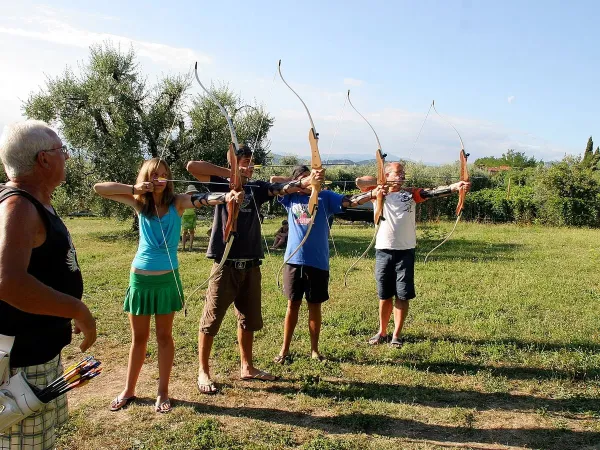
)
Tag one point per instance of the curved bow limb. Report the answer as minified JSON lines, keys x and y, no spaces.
{"x":464,"y":176}
{"x":378,"y":214}
{"x":235,"y":183}
{"x":315,"y":164}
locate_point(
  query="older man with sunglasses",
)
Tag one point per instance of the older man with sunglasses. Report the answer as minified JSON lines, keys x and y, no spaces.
{"x":40,"y":281}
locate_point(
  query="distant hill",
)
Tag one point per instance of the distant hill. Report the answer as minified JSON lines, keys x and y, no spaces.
{"x":358,"y":159}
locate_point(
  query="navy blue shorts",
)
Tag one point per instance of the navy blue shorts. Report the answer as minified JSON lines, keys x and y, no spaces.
{"x":395,"y":274}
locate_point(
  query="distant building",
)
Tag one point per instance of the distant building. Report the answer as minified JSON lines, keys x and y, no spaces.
{"x":493,"y":170}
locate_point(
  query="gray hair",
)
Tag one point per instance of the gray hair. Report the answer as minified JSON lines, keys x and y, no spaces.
{"x":21,"y":142}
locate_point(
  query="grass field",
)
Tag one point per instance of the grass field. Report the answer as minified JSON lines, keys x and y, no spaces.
{"x":502,"y":351}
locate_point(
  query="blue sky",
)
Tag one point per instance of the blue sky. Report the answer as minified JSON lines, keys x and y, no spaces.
{"x":507,"y":74}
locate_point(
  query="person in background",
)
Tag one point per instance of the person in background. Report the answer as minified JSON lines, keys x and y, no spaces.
{"x":188,"y":221}
{"x":281,"y":235}
{"x":40,"y":281}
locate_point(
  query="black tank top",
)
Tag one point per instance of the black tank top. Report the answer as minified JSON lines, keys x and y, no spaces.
{"x":38,"y":338}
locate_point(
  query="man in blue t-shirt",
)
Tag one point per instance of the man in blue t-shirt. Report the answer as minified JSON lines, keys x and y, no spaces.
{"x":306,"y":274}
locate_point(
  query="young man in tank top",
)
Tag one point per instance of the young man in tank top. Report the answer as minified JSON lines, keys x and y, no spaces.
{"x":40,"y":281}
{"x":239,"y":279}
{"x":395,"y":247}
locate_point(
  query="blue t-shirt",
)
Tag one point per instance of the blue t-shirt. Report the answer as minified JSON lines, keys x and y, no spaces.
{"x":315,"y":251}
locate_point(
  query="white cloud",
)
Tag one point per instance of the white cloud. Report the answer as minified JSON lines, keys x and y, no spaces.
{"x":511,"y":99}
{"x":43,"y":41}
{"x":43,"y":25}
{"x":353,"y":82}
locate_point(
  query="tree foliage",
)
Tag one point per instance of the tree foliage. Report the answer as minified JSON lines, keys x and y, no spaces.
{"x":588,"y":155}
{"x":511,"y":158}
{"x":115,"y":119}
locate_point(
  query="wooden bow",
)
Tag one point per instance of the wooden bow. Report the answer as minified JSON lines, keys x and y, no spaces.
{"x":380,"y":158}
{"x":464,"y":176}
{"x":315,"y":164}
{"x":235,"y":183}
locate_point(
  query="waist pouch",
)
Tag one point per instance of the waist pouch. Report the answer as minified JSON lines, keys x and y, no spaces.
{"x":17,"y":396}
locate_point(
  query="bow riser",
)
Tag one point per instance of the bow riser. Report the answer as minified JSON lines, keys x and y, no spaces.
{"x":380,"y":157}
{"x":315,"y":163}
{"x":464,"y":176}
{"x":235,"y":183}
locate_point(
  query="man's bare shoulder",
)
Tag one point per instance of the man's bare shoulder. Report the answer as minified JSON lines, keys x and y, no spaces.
{"x":17,"y":210}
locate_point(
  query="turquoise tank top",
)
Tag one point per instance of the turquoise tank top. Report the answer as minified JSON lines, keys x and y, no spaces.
{"x":152,"y":252}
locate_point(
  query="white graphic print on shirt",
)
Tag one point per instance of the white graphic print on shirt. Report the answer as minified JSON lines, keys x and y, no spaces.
{"x":300,"y":211}
{"x":72,"y":257}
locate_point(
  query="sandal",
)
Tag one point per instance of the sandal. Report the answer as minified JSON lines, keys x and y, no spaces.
{"x":378,"y":339}
{"x":120,"y":403}
{"x":282,"y":359}
{"x":261,"y":376}
{"x":396,"y":342}
{"x":207,"y":388}
{"x":163,"y":407}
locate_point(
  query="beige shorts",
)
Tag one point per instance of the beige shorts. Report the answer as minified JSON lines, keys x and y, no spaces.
{"x":240,"y":287}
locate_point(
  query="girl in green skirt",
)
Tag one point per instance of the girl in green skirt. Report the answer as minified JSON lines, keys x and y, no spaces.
{"x":154,"y":285}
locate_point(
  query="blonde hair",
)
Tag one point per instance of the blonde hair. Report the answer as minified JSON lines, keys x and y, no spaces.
{"x":145,"y":175}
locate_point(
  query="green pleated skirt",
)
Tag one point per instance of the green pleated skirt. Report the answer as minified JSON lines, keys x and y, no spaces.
{"x":153,"y":294}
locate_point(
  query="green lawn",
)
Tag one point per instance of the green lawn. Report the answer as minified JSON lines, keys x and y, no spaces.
{"x":502,"y":351}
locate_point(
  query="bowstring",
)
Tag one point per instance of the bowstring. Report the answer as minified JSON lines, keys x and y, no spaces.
{"x":262,"y":118}
{"x":160,"y":159}
{"x":421,"y":129}
{"x":337,"y":128}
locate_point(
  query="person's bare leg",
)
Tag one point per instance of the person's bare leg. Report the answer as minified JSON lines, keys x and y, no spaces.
{"x":314,"y":327}
{"x":385,"y":312}
{"x":205,"y":343}
{"x":140,"y":332}
{"x":400,"y":314}
{"x":166,"y":353}
{"x":289,"y":325}
{"x":192,"y":233}
{"x":247,"y":369}
{"x":183,"y":240}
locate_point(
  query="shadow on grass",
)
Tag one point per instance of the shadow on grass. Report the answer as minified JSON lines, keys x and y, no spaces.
{"x":116,"y":236}
{"x":431,"y":396}
{"x":463,"y":367}
{"x":532,"y":346}
{"x":384,"y":425}
{"x":454,"y":249}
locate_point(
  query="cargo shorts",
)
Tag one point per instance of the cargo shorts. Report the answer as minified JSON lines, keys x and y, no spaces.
{"x":240,"y":287}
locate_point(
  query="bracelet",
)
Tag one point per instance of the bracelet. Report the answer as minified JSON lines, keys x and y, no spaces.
{"x":133,"y":189}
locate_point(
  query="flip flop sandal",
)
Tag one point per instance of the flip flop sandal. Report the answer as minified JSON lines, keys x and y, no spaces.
{"x":207,"y":388}
{"x":396,"y":342}
{"x":319,"y":358}
{"x":378,"y":339}
{"x":120,"y":403}
{"x":261,"y":376}
{"x":282,"y":359}
{"x":163,"y":407}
